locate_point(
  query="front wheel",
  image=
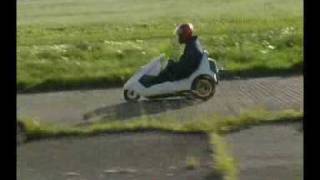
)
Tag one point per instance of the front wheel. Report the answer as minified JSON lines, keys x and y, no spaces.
{"x":203,"y":87}
{"x":131,"y":96}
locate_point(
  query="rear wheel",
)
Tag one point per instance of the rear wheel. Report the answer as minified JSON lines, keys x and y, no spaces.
{"x":131,"y":96}
{"x":203,"y":87}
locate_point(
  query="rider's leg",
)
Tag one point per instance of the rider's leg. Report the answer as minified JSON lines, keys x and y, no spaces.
{"x":164,"y":75}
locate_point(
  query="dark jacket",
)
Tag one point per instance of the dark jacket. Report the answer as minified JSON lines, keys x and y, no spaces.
{"x":188,"y":62}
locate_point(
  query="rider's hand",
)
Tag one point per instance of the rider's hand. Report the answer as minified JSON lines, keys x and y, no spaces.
{"x":170,"y":65}
{"x":162,"y":60}
{"x":163,"y":63}
{"x":170,"y":62}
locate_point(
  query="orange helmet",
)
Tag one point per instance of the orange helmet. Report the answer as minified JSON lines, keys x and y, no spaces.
{"x":185,"y":30}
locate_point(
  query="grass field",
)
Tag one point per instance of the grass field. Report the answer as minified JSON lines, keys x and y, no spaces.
{"x":63,"y":44}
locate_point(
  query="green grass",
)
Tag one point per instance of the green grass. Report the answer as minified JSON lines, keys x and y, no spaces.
{"x":192,"y":162}
{"x":224,"y":162}
{"x":217,"y":124}
{"x":100,"y":43}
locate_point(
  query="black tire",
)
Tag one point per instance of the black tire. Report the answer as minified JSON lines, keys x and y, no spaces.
{"x":208,"y":85}
{"x":21,"y":133}
{"x":130,"y":97}
{"x":218,"y":78}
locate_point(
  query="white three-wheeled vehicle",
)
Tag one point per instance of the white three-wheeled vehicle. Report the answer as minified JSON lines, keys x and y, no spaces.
{"x":200,"y":84}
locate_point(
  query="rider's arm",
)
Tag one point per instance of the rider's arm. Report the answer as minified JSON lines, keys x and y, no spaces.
{"x":187,"y":63}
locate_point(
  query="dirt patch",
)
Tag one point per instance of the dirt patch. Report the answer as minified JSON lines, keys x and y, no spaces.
{"x":269,"y":152}
{"x":143,"y":156}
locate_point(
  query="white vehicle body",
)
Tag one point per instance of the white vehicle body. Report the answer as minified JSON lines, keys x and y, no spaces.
{"x":168,"y":87}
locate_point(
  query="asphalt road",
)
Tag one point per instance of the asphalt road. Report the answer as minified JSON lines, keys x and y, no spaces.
{"x":126,"y":156}
{"x":269,"y":152}
{"x":266,"y":152}
{"x":232,"y":97}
